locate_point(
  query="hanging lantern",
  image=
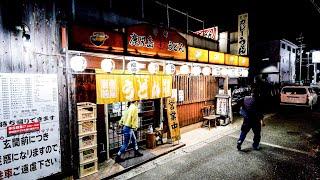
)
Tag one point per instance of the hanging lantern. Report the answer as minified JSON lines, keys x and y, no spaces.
{"x":184,"y":69}
{"x":132,"y":67}
{"x":196,"y":70}
{"x":206,"y":71}
{"x":216,"y":71}
{"x":170,"y":69}
{"x":153,"y":68}
{"x":224,"y":72}
{"x":245,"y":72}
{"x":78,"y":63}
{"x":107,"y":65}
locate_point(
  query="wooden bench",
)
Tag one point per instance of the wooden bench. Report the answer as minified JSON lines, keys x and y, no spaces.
{"x":208,"y":116}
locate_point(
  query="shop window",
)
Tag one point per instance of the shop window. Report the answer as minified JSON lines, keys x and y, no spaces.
{"x":293,"y":50}
{"x":283,"y":46}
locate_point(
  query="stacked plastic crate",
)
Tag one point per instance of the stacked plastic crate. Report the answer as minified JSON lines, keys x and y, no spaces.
{"x":87,"y":115}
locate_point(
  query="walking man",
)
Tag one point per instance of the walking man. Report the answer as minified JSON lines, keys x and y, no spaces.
{"x":252,"y":119}
{"x":129,"y":120}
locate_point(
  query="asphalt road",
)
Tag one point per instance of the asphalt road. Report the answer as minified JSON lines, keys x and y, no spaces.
{"x":284,"y":154}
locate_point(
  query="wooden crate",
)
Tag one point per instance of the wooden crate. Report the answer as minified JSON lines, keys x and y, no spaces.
{"x":87,"y":126}
{"x":88,"y":168}
{"x":86,"y":110}
{"x":88,"y":140}
{"x":88,"y":154}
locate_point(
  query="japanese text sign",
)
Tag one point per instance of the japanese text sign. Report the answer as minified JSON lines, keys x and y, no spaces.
{"x":29,"y":126}
{"x":211,"y":33}
{"x":231,"y":60}
{"x":173,"y":120}
{"x":150,"y":40}
{"x":243,"y":61}
{"x":243,"y":33}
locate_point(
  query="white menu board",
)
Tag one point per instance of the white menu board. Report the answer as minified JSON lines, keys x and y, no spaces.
{"x":29,"y":126}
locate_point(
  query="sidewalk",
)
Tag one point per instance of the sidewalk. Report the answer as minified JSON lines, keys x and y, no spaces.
{"x":191,"y":140}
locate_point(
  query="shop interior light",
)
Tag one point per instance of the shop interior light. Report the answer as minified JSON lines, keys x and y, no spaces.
{"x":170,"y":69}
{"x":184,"y":69}
{"x":195,"y":70}
{"x":107,"y":65}
{"x":78,"y":63}
{"x":153,"y":68}
{"x":206,"y":71}
{"x":133,"y":67}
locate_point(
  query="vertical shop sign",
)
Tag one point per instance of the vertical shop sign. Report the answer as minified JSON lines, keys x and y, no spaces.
{"x":107,"y":88}
{"x":29,"y":126}
{"x":166,"y":86}
{"x":243,"y":32}
{"x":173,"y":122}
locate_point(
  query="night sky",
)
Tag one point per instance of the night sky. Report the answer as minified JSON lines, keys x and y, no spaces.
{"x":270,"y":19}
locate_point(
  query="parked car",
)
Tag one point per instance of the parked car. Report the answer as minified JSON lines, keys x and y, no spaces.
{"x":298,"y":96}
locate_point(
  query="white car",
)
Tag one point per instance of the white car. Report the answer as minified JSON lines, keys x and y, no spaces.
{"x":298,"y":96}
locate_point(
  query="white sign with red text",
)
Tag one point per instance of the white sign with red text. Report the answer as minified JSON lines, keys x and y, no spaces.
{"x":29,"y":126}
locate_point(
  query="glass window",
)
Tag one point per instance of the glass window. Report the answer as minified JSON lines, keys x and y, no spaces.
{"x":294,"y":91}
{"x":283,"y":46}
{"x":288,"y":48}
{"x":293,"y":50}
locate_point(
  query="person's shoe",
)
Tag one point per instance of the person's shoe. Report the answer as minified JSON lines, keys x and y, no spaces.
{"x":137,"y":153}
{"x":257,"y":148}
{"x":119,"y":159}
{"x":239,"y":146}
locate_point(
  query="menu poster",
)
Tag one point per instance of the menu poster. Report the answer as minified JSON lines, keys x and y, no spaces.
{"x":222,"y":106}
{"x":29,"y":126}
{"x":173,"y":121}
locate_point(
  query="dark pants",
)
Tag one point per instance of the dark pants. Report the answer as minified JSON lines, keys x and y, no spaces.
{"x":245,"y":128}
{"x":128,"y":135}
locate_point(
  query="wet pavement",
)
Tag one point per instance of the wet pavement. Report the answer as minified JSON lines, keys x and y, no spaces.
{"x":285,"y":153}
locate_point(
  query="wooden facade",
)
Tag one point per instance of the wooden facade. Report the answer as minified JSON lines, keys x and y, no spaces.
{"x":41,"y":56}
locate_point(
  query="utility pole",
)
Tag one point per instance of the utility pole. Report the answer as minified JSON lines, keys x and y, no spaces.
{"x":308,"y":66}
{"x":300,"y":40}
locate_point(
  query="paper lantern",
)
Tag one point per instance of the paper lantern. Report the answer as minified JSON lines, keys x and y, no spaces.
{"x":184,"y":69}
{"x":107,"y":65}
{"x":153,"y":68}
{"x":78,"y":63}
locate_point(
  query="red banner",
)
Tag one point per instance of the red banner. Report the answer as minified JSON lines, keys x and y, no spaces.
{"x":84,"y":38}
{"x":23,"y":128}
{"x":144,"y":39}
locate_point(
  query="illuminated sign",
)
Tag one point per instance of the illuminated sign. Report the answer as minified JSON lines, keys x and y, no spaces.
{"x":197,"y":55}
{"x":243,"y":61}
{"x":144,"y":39}
{"x":216,"y":57}
{"x":231,"y":60}
{"x":211,"y":33}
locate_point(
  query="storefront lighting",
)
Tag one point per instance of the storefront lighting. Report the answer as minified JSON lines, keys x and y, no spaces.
{"x":78,"y":63}
{"x":224,"y":72}
{"x":206,"y":71}
{"x":184,"y":69}
{"x":170,"y":69}
{"x":133,"y":67}
{"x":153,"y":68}
{"x":196,"y":70}
{"x":245,"y":73}
{"x":107,"y":65}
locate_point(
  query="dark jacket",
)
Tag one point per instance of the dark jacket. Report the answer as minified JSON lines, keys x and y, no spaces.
{"x":249,"y":110}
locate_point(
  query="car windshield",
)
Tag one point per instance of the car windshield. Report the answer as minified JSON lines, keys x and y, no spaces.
{"x":294,"y":91}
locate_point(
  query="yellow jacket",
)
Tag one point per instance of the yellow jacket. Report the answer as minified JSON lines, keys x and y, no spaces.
{"x":130,"y":117}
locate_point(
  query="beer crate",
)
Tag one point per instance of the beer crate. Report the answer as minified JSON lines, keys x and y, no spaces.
{"x":88,"y":168}
{"x":86,"y":110}
{"x":88,"y":154}
{"x":88,"y":140}
{"x":87,"y":126}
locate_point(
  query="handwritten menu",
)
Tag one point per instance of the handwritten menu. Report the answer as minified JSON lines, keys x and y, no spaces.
{"x":29,"y":126}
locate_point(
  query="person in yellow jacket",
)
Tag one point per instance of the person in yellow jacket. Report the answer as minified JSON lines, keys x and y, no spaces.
{"x":129,"y":120}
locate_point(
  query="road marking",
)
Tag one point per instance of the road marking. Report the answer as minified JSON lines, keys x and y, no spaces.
{"x":276,"y":146}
